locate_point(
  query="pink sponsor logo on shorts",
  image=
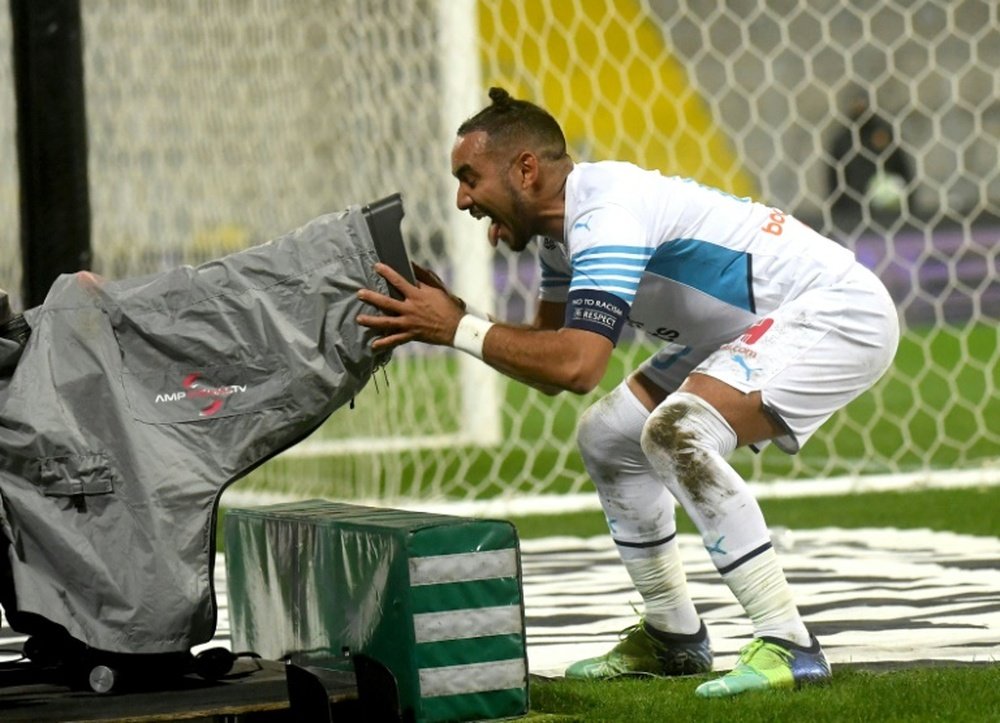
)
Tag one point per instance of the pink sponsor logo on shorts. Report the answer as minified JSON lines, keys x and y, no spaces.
{"x":756,"y":331}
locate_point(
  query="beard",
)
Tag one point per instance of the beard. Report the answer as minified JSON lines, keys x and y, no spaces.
{"x":520,"y":233}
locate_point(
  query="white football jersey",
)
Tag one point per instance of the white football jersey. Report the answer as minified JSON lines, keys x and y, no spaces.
{"x":689,"y":264}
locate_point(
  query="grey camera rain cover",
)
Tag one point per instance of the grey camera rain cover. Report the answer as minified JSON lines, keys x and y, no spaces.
{"x":136,"y":402}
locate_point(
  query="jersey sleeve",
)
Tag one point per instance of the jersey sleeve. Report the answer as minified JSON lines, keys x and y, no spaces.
{"x":556,"y":272}
{"x":608,"y":254}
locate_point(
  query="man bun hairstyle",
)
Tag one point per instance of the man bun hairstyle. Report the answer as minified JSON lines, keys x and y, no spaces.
{"x":509,"y":121}
{"x":499,"y":96}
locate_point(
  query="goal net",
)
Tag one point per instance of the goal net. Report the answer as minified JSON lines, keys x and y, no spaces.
{"x":213,"y":126}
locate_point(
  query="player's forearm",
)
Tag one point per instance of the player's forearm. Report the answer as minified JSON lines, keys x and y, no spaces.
{"x":543,"y":388}
{"x":550,"y":360}
{"x":543,"y":359}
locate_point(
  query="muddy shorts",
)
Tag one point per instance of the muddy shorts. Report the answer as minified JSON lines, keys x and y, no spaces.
{"x":809,"y":358}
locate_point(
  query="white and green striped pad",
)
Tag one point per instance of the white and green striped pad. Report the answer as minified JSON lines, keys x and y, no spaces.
{"x":468,"y":621}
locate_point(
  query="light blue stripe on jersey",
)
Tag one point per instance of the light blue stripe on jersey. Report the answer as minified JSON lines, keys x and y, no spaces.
{"x":553,"y":278}
{"x":622,"y":254}
{"x":621,"y":286}
{"x":712,"y":269}
{"x":632,"y":272}
{"x":615,"y":269}
{"x":628,"y":266}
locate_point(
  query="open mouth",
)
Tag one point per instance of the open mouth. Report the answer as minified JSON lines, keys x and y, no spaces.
{"x":494,"y":231}
{"x":496,"y":227}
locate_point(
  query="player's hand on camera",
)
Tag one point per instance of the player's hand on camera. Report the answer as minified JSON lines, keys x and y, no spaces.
{"x":426,"y":276}
{"x":427,"y":312}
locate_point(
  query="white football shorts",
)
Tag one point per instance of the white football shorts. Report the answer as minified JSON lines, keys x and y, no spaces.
{"x":809,"y":358}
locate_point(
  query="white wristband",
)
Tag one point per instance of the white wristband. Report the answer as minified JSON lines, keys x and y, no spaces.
{"x":470,"y":335}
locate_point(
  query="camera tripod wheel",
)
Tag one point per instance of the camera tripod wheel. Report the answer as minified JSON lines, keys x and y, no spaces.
{"x":102,"y":678}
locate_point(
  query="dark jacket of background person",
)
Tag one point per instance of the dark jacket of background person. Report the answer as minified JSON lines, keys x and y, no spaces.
{"x":863,"y":152}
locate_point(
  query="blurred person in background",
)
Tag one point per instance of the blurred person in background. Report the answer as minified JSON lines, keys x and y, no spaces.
{"x":867,"y":169}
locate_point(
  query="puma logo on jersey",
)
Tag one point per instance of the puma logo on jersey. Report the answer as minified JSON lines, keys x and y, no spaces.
{"x":738,"y":358}
{"x":583,"y":224}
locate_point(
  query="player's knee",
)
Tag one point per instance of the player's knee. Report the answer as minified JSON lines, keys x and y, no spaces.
{"x":603,"y":440}
{"x":595,"y":434}
{"x":681,"y":431}
{"x":665,"y":440}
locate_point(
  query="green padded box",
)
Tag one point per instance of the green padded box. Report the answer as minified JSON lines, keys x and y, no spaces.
{"x":436,"y":599}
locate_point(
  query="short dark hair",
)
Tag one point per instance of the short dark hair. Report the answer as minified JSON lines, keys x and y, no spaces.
{"x":507,"y":120}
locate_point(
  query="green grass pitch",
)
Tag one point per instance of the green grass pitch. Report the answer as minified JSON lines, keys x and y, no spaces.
{"x":940,"y":693}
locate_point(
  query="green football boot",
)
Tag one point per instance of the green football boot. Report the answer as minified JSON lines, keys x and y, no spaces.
{"x":641,"y":653}
{"x":769,"y":663}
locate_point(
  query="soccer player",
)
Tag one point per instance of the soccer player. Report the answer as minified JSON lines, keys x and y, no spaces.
{"x":767,"y":329}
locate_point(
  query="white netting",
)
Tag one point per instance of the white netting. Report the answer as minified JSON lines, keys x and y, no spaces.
{"x":218,"y":125}
{"x":877,"y":123}
{"x":215,"y":125}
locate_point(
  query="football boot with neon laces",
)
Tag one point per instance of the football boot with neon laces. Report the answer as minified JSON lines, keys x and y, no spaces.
{"x":645,"y":653}
{"x":769,"y":663}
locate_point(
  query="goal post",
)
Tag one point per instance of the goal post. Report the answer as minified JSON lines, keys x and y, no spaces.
{"x":461,"y":93}
{"x":464,"y":253}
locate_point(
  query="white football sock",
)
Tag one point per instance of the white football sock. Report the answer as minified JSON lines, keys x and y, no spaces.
{"x":639,"y":509}
{"x":660,"y":580}
{"x":763,"y":591}
{"x":686,"y":440}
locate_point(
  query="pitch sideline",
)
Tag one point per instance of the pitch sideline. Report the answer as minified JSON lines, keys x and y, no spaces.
{"x":877,"y":596}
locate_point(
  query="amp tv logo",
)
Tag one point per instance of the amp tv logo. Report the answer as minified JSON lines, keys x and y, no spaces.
{"x":195,"y":387}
